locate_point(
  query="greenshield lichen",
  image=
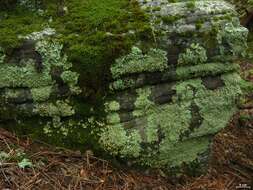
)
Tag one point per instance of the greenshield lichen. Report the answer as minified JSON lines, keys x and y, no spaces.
{"x":154,"y":60}
{"x":195,"y":54}
{"x":168,"y":127}
{"x":2,"y":55}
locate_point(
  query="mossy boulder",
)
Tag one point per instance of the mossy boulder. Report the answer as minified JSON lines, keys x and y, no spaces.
{"x":164,"y":115}
{"x":148,"y":81}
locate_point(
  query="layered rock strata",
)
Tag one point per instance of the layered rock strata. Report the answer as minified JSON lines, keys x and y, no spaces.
{"x":167,"y":103}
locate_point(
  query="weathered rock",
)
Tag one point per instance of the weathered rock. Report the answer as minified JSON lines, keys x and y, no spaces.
{"x":164,"y":100}
{"x":166,"y":113}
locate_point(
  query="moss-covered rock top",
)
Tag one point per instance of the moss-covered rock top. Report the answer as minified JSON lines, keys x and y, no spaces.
{"x":93,"y":32}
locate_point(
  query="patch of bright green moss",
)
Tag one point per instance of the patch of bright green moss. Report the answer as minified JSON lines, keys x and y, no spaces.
{"x":18,"y":22}
{"x":93,"y":32}
{"x":96,"y":32}
{"x":171,"y":19}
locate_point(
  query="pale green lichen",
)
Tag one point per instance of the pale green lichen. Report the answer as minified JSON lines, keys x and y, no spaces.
{"x":142,"y":101}
{"x":211,"y":103}
{"x":41,"y":94}
{"x":112,"y":106}
{"x":216,"y":102}
{"x":122,"y":84}
{"x":167,"y":126}
{"x":171,"y":119}
{"x":2,"y":55}
{"x":115,"y":140}
{"x":194,"y":55}
{"x":71,"y":78}
{"x":59,"y":108}
{"x":180,"y":152}
{"x":51,"y":53}
{"x":113,"y":118}
{"x":27,"y":76}
{"x":182,"y":73}
{"x":12,"y":94}
{"x":136,"y":62}
{"x":234,"y":37}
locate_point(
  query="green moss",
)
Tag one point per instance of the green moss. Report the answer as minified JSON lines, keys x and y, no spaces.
{"x":93,"y":32}
{"x":171,"y":19}
{"x":191,"y":4}
{"x":199,"y":23}
{"x":106,"y":29}
{"x":18,"y":22}
{"x":72,"y":133}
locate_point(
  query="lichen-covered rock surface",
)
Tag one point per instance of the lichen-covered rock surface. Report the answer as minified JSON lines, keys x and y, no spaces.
{"x":166,"y":114}
{"x":148,"y":81}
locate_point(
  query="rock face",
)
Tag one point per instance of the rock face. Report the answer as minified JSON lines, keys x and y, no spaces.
{"x":165,"y":99}
{"x":167,"y":103}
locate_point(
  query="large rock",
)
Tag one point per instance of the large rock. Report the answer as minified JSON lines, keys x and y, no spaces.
{"x":159,"y":105}
{"x":166,"y":104}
